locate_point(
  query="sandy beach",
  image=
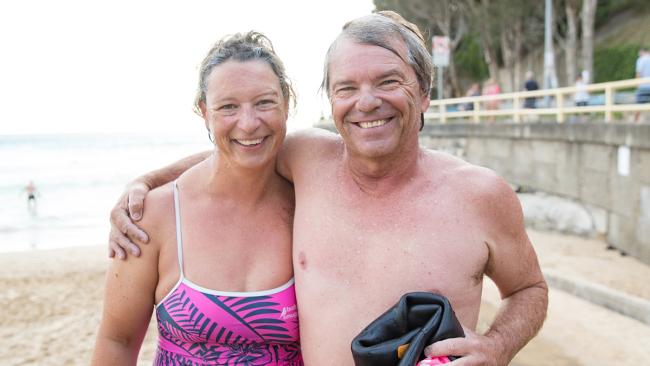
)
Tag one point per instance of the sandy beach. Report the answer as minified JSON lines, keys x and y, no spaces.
{"x":51,"y":307}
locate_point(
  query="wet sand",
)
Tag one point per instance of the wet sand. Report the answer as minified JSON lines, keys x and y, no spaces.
{"x":51,"y":307}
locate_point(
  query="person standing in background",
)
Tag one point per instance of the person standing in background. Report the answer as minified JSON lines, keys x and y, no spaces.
{"x":581,"y":96}
{"x":530,"y":85}
{"x":491,"y":88}
{"x":473,"y":91}
{"x":642,"y":71}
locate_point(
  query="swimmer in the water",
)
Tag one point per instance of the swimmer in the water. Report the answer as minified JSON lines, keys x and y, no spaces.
{"x":32,"y":192}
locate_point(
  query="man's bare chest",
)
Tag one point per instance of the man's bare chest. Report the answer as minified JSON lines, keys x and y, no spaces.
{"x":340,"y":239}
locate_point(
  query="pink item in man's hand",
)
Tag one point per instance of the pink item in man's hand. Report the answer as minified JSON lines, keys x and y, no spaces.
{"x":432,"y":361}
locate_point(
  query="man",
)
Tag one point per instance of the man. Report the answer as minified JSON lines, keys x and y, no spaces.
{"x":643,"y":71}
{"x":530,"y":85}
{"x":378,"y":216}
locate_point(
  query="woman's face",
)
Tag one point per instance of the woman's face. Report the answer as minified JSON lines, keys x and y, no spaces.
{"x":246,"y":112}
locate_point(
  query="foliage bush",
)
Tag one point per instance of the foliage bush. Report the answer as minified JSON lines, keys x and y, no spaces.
{"x":615,"y":63}
{"x":469,"y":59}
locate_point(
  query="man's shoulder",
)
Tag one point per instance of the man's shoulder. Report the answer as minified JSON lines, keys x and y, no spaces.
{"x":313,"y":134}
{"x":473,"y":180}
{"x":313,"y":141}
{"x":307,"y":149}
{"x":492,"y":200}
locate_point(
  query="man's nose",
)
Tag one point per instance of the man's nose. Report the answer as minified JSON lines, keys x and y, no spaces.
{"x":368,"y":101}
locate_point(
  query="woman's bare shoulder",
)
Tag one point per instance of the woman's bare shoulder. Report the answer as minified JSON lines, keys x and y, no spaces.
{"x":158,"y":213}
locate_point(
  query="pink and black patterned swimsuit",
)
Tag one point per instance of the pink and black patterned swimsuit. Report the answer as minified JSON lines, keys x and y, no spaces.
{"x":199,"y":326}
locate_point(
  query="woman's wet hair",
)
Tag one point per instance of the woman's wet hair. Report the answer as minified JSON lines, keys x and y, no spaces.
{"x":249,"y":46}
{"x":382,"y":29}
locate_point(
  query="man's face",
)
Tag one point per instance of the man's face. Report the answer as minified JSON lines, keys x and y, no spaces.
{"x":375,"y":97}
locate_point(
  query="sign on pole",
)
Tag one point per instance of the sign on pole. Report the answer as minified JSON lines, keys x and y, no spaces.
{"x":440,"y":46}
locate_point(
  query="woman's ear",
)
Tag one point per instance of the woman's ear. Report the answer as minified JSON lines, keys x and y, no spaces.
{"x":204,"y":114}
{"x":204,"y":111}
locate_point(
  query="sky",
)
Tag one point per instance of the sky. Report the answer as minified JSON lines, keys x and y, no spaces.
{"x":131,"y":66}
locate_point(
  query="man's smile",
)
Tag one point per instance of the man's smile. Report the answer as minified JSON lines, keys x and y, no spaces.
{"x":372,"y":124}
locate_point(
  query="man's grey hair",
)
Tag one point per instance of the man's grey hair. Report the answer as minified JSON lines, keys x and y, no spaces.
{"x":382,"y":29}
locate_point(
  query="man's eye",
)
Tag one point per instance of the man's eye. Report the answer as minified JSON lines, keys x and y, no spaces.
{"x":266,"y":102}
{"x":389,"y":82}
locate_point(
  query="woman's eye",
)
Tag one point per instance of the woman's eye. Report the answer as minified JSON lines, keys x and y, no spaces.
{"x":227,"y":107}
{"x":344,"y":90}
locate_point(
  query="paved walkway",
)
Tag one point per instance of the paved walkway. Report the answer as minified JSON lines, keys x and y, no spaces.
{"x":599,"y":305}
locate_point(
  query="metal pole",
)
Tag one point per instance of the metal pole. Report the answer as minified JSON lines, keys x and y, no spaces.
{"x":440,"y":91}
{"x":550,"y":78}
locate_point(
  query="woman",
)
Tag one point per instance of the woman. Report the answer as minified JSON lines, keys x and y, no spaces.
{"x":491,"y":88}
{"x":218,"y":267}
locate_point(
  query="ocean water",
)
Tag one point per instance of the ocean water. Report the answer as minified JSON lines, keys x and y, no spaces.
{"x":79,"y":177}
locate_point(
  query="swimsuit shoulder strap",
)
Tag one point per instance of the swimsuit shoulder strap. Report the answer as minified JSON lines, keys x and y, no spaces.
{"x":179,"y":236}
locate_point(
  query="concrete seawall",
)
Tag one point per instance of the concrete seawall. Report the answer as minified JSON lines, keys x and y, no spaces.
{"x":605,"y":167}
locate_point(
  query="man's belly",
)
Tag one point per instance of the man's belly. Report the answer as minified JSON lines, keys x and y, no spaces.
{"x":328,"y":327}
{"x":333,"y":312}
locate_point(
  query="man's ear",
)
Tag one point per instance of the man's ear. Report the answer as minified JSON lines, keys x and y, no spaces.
{"x":286,"y":108}
{"x":424,"y":103}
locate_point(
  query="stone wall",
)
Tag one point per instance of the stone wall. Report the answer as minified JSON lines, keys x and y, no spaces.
{"x":581,"y":161}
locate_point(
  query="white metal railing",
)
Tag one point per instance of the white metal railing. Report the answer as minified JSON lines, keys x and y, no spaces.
{"x":558,"y":102}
